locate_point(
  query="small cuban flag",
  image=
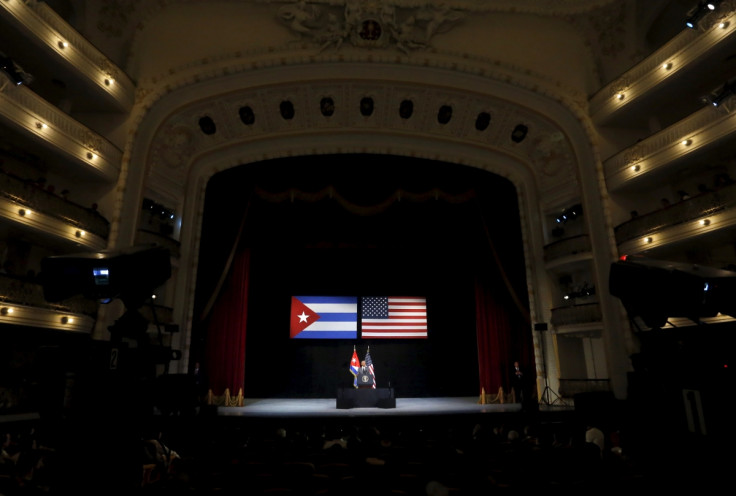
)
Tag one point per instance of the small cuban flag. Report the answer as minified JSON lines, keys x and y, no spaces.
{"x":354,"y":364}
{"x":324,"y":317}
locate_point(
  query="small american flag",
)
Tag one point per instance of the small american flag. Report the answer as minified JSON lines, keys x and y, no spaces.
{"x":369,"y":364}
{"x":393,"y":317}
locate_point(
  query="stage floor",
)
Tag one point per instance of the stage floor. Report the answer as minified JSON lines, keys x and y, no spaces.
{"x":326,"y":407}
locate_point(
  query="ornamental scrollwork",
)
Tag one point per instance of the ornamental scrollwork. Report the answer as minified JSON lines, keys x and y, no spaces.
{"x":372,"y":24}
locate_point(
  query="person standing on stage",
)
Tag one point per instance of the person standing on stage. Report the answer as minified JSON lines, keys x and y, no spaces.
{"x":365,"y":376}
{"x":517,"y":382}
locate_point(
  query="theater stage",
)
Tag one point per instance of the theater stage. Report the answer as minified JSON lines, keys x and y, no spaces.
{"x":326,"y":407}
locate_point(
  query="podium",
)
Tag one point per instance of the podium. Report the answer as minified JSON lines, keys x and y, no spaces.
{"x":364,"y":381}
{"x":365,"y":398}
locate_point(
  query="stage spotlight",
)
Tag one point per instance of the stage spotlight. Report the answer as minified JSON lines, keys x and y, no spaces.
{"x":698,"y":12}
{"x":728,"y":89}
{"x":694,"y":16}
{"x":570,"y":214}
{"x":16,"y":73}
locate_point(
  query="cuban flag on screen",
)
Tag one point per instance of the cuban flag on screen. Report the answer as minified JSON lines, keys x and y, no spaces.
{"x":324,"y":317}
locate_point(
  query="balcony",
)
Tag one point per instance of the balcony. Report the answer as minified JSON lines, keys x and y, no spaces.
{"x":702,"y":205}
{"x":24,"y":291}
{"x":47,"y":47}
{"x":27,"y":195}
{"x":567,"y":247}
{"x":23,"y":304}
{"x":573,"y":315}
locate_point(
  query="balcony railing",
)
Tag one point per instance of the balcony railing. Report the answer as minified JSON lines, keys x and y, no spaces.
{"x":21,"y":291}
{"x":567,"y":247}
{"x":686,"y":210}
{"x":33,"y":197}
{"x":576,"y":314}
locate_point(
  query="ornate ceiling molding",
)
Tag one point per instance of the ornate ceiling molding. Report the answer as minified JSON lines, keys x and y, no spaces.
{"x":179,"y":142}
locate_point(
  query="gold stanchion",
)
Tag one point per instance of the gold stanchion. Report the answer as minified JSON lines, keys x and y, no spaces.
{"x":482,"y":399}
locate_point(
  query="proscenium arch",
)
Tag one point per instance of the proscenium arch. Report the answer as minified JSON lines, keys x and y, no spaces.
{"x":288,"y":147}
{"x":536,"y":105}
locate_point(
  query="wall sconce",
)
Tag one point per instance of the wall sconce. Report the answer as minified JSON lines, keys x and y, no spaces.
{"x":41,"y":125}
{"x":686,"y":142}
{"x":667,"y":66}
{"x":23,"y":212}
{"x":79,"y":233}
{"x":648,"y":239}
{"x":63,"y":44}
{"x":6,"y":311}
{"x":67,"y":320}
{"x":636,"y":168}
{"x":620,"y":96}
{"x":705,"y":222}
{"x":109,"y":81}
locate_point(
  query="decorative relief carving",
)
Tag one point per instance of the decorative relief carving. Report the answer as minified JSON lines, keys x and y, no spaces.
{"x":633,"y":155}
{"x":619,"y":86}
{"x":549,"y":152}
{"x":175,"y":146}
{"x":92,"y":141}
{"x":114,"y":17}
{"x":368,"y":24}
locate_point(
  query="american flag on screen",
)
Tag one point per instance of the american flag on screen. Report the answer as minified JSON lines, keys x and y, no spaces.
{"x":393,"y":317}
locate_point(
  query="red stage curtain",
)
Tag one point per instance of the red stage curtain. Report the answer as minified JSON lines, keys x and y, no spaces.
{"x":503,"y":323}
{"x":226,"y":330}
{"x":493,"y":325}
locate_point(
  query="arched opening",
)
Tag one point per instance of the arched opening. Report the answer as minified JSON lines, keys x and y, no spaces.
{"x":385,"y":225}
